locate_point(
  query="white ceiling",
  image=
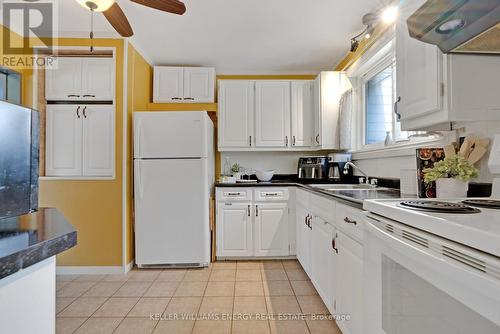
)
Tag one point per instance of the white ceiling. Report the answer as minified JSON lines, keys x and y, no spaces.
{"x":236,"y":36}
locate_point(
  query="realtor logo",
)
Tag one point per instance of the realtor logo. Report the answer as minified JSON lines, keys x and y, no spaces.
{"x":29,"y":29}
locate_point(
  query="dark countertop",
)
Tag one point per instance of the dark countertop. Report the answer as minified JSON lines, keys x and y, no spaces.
{"x":28,"y":239}
{"x":353,"y":198}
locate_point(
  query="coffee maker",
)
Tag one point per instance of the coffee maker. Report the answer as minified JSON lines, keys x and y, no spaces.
{"x":313,"y":168}
{"x":336,"y":164}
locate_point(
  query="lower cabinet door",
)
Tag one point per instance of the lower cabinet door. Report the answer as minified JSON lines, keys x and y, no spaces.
{"x":234,"y":229}
{"x":349,"y":283}
{"x":271,"y":229}
{"x":302,"y":235}
{"x":322,"y":260}
{"x":64,"y":140}
{"x":98,"y":140}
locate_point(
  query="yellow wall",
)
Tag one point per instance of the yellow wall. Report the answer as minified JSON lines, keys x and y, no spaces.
{"x":93,"y":207}
{"x":139,"y":88}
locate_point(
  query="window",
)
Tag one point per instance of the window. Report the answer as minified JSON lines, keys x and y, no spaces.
{"x":379,"y":97}
{"x":10,"y":86}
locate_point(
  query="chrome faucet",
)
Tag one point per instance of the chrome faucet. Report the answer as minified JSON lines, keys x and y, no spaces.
{"x":350,"y":164}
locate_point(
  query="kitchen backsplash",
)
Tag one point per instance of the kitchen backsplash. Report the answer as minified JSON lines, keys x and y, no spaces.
{"x":282,"y":162}
{"x":391,"y":167}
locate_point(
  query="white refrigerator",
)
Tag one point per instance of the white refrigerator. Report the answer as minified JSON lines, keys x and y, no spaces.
{"x":173,"y":183}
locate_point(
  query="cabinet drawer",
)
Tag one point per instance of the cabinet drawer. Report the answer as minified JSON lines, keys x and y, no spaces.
{"x":302,"y":197}
{"x":234,"y":194}
{"x":349,"y":220}
{"x":271,"y":194}
{"x":323,"y":208}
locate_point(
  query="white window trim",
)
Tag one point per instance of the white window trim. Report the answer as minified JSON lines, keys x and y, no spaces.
{"x":380,"y":55}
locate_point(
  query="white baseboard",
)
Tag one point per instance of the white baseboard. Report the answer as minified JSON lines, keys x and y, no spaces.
{"x":128,"y":267}
{"x":80,"y":270}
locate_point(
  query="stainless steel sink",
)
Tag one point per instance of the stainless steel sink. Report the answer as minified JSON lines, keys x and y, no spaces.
{"x":333,"y":187}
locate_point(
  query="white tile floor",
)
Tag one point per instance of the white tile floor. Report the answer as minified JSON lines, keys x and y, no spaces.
{"x":229,"y":297}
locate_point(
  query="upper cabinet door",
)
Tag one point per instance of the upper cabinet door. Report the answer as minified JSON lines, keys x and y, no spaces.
{"x":64,"y":140}
{"x":199,"y":84}
{"x":168,"y":84}
{"x":419,"y":74}
{"x":272,"y":114}
{"x":302,"y":113}
{"x":63,"y":80}
{"x":236,"y":114}
{"x":316,"y":135}
{"x":98,"y":140}
{"x":98,"y":79}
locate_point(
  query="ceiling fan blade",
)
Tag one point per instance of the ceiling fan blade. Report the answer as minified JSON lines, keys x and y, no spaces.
{"x":118,"y":20}
{"x":170,"y":6}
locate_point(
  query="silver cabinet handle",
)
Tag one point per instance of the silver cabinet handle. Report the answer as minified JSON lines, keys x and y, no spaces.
{"x":293,"y":141}
{"x":85,"y":112}
{"x":233,"y":194}
{"x":73,"y":95}
{"x":317,"y":138}
{"x":250,"y":141}
{"x":310,"y":223}
{"x":256,"y":211}
{"x":271,"y":194}
{"x":78,"y":112}
{"x":248,"y":210}
{"x":396,"y":111}
{"x":334,"y":245}
{"x":88,"y":95}
{"x":286,"y":141}
{"x":305,"y":219}
{"x":189,"y":98}
{"x":176,"y":98}
{"x":349,"y":221}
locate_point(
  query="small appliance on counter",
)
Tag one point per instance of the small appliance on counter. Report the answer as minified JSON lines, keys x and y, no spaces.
{"x":313,"y":168}
{"x":336,"y":164}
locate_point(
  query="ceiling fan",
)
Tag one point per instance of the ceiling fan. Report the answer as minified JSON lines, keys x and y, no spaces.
{"x":115,"y":15}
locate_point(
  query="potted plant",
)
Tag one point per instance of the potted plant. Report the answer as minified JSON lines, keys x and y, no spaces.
{"x":236,"y":170}
{"x":452,"y":176}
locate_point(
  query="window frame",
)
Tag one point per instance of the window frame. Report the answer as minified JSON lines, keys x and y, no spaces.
{"x":381,"y":53}
{"x":384,"y":63}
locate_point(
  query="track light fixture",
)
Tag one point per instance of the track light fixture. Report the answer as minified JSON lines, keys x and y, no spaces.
{"x":387,"y":15}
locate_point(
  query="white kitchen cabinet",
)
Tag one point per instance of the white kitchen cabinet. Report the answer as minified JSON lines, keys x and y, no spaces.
{"x":327,"y":90}
{"x":234,"y":229}
{"x":302,"y":116}
{"x":349,"y":283}
{"x":236,"y":114}
{"x":199,"y":84}
{"x":272,"y":113}
{"x":303,"y":237}
{"x":323,"y":260}
{"x":434,"y":89}
{"x":98,"y":140}
{"x":63,"y":80}
{"x":80,"y":79}
{"x":249,"y":228}
{"x":64,"y":140}
{"x":271,"y":230}
{"x":80,"y":140}
{"x":183,"y":84}
{"x":168,"y":84}
{"x":98,"y":79}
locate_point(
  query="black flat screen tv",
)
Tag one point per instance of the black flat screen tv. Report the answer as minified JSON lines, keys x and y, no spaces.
{"x":19,"y":157}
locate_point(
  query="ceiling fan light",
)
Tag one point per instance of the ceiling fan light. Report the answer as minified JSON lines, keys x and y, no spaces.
{"x":96,"y":5}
